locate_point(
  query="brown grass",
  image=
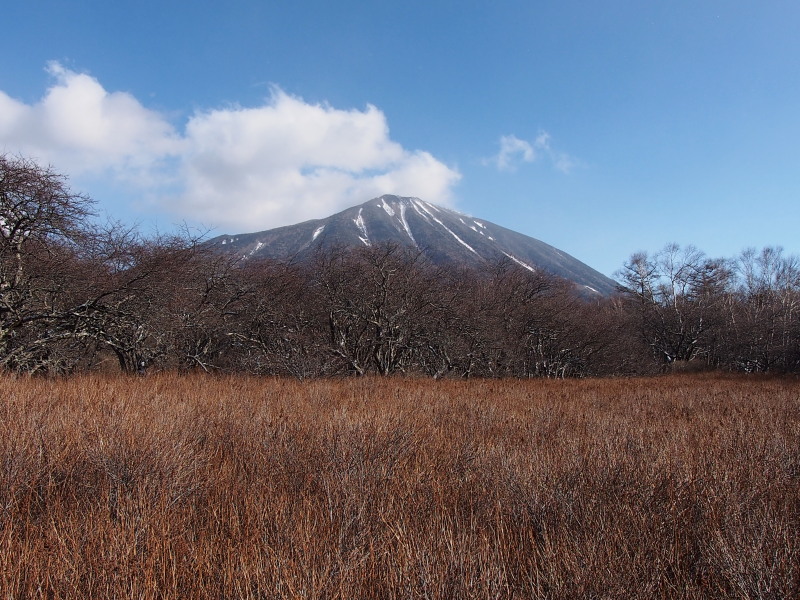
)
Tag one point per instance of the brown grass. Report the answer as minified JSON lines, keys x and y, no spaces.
{"x":199,"y":487}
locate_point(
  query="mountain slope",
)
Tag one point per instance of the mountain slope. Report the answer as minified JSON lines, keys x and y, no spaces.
{"x":445,"y":236}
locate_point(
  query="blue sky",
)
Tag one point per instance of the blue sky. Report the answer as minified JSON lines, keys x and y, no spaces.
{"x":602,"y":128}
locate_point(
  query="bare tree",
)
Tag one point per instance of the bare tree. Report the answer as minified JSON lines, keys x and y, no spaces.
{"x":73,"y":294}
{"x":676,"y":296}
{"x":764,"y":314}
{"x":379,"y":301}
{"x":159,"y":301}
{"x":42,"y":223}
{"x":280,"y":325}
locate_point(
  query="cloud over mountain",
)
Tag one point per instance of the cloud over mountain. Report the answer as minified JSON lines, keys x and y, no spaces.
{"x":232,"y":167}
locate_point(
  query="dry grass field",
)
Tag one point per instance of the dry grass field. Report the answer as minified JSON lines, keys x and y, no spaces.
{"x":185,"y":487}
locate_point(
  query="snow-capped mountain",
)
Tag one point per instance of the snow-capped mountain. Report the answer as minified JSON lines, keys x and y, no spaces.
{"x":445,"y":236}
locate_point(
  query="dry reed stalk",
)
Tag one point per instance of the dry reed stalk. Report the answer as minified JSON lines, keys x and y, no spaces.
{"x":176,"y":486}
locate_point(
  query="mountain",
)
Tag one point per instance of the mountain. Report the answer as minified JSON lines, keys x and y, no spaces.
{"x":445,"y":236}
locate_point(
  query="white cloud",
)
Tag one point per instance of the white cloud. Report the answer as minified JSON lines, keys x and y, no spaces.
{"x":236,"y":168}
{"x":563,"y":162}
{"x":81,"y":128}
{"x":514,"y":151}
{"x":288,"y":160}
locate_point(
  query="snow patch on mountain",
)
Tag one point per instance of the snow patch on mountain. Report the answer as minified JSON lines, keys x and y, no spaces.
{"x":389,"y":210}
{"x":405,"y":223}
{"x":458,"y":239}
{"x":519,"y":262}
{"x":422,"y":207}
{"x":421,"y":212}
{"x":362,"y":227}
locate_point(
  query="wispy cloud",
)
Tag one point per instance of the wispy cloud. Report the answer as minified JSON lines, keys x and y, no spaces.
{"x":515,"y":151}
{"x":238,"y":168}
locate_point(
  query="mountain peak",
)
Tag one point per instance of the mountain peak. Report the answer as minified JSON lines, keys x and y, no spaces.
{"x":447,"y":237}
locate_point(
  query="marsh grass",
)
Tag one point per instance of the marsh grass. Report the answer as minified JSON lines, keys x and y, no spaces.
{"x":175,"y":486}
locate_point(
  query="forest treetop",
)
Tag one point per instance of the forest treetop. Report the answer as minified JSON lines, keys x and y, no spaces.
{"x":75,"y":295}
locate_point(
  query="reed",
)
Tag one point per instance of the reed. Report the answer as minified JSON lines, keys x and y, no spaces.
{"x":193,"y":486}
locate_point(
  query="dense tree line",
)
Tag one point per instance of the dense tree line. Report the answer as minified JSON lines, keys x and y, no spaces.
{"x":77,"y":296}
